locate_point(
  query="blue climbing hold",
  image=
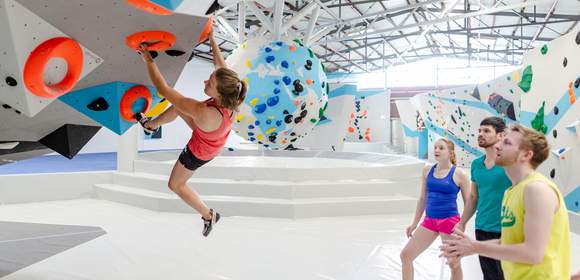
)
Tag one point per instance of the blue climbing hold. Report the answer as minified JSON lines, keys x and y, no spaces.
{"x":287,"y":80}
{"x":260,"y":108}
{"x":270,"y":58}
{"x":272,"y":101}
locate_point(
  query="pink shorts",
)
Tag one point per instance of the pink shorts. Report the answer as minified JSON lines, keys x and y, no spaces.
{"x":444,"y":225}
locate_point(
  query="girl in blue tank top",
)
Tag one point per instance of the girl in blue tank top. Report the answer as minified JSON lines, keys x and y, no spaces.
{"x":441,"y":184}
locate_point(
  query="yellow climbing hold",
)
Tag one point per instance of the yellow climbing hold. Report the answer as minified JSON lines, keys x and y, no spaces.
{"x":272,"y":129}
{"x":270,"y":117}
{"x":259,"y":137}
{"x":254,"y":101}
{"x":240,"y":117}
{"x":157,"y":109}
{"x":248,"y":63}
{"x":516,"y":77}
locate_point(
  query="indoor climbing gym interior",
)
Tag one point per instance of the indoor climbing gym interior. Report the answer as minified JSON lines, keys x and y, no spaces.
{"x":289,"y":139}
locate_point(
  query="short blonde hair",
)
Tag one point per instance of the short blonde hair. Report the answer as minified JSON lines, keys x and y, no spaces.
{"x":533,"y":141}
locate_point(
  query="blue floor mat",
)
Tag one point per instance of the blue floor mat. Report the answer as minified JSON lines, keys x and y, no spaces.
{"x":58,"y":163}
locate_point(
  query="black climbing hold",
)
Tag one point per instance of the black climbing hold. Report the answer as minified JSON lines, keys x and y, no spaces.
{"x":299,"y":88}
{"x":174,"y":52}
{"x":6,"y":106}
{"x":556,"y":110}
{"x":99,"y":104}
{"x":308,"y":62}
{"x":214,"y":7}
{"x":303,"y":114}
{"x":577,"y":83}
{"x":565,"y":63}
{"x":553,"y":173}
{"x":17,"y":112}
{"x":297,"y":119}
{"x":453,"y":119}
{"x":308,"y":67}
{"x":69,"y":139}
{"x":11,"y":81}
{"x":154,"y":54}
{"x":293,"y":134}
{"x":288,"y":119}
{"x":555,"y":133}
{"x":578,"y":38}
{"x":303,"y":106}
{"x":286,"y":112}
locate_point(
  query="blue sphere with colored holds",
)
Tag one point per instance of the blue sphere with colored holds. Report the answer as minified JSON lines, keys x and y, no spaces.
{"x":287,"y":91}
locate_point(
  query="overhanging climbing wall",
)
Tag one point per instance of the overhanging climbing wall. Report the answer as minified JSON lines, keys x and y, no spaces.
{"x":547,"y":87}
{"x":22,"y":32}
{"x":556,"y":86}
{"x":67,"y":62}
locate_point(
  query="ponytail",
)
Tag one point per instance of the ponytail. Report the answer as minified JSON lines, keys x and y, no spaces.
{"x":451,"y":148}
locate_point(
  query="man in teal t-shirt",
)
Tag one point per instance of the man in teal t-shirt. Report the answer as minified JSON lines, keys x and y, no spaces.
{"x":488,"y":184}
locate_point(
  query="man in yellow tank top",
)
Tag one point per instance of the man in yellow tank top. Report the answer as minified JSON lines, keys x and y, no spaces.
{"x":535,"y":234}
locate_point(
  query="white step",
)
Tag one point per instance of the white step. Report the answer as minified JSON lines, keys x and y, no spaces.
{"x":392,"y":172}
{"x":261,"y":207}
{"x":275,"y":189}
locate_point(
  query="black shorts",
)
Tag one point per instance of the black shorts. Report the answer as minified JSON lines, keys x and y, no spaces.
{"x":491,"y":268}
{"x":190,"y":161}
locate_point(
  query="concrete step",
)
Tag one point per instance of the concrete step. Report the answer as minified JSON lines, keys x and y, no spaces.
{"x":275,"y":188}
{"x":394,"y":171}
{"x":261,"y":207}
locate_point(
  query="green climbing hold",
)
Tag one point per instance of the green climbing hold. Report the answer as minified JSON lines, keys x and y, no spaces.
{"x":299,"y":42}
{"x":538,"y":121}
{"x":310,"y":53}
{"x":313,"y":120}
{"x":526,"y":81}
{"x":544,"y":49}
{"x":322,"y":110}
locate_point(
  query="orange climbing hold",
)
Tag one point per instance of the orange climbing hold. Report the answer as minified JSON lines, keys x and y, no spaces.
{"x":61,"y":47}
{"x":571,"y":93}
{"x":129,"y":98}
{"x":206,"y":30}
{"x":150,"y":7}
{"x":156,"y":40}
{"x":351,"y":129}
{"x":309,"y":82}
